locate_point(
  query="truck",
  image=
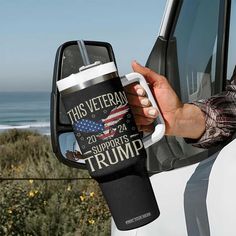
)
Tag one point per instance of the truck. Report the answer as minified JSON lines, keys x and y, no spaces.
{"x":195,"y":50}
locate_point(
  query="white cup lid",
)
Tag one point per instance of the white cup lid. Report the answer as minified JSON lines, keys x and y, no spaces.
{"x":86,"y":75}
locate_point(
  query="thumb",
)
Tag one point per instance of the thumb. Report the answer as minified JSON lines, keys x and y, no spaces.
{"x":151,"y":76}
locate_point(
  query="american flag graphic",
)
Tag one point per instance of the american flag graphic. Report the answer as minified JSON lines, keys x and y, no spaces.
{"x":104,"y":126}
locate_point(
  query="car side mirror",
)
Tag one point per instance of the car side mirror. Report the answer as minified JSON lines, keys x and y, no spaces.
{"x":68,"y":61}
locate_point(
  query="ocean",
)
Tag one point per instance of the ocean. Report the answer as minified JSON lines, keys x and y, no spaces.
{"x":25,"y":110}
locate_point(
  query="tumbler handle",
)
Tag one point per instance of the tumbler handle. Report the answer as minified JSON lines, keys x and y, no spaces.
{"x":159,"y":123}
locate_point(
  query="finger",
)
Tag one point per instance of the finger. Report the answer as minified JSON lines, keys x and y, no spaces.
{"x":138,"y":101}
{"x":151,"y":76}
{"x":146,"y":128}
{"x":135,"y":89}
{"x":141,"y":120}
{"x":148,"y":112}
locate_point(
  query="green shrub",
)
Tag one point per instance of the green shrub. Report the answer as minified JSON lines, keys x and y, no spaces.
{"x":39,"y":207}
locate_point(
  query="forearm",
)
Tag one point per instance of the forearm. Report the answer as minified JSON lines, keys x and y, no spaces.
{"x":189,"y":122}
{"x":220,"y":113}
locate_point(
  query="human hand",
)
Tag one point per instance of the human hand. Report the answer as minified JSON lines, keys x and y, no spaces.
{"x":184,"y":120}
{"x":168,"y":101}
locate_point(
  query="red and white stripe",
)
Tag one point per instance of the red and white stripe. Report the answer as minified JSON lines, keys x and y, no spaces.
{"x":109,"y":133}
{"x":114,"y":117}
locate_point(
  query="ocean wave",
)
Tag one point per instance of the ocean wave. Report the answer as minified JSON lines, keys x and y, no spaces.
{"x":40,"y":125}
{"x":36,"y":125}
{"x":6,"y":127}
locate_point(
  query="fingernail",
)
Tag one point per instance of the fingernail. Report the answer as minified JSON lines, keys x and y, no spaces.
{"x":145,"y":102}
{"x":136,"y":62}
{"x":140,"y":92}
{"x":152,"y":112}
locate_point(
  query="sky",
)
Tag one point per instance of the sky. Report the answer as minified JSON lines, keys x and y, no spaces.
{"x":32,"y":30}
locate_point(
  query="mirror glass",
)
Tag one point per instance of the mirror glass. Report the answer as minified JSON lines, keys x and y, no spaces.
{"x":69,"y":147}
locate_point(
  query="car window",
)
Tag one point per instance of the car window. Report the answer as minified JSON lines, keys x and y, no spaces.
{"x":196,"y":35}
{"x":192,"y":49}
{"x":232,"y":40}
{"x":196,"y":42}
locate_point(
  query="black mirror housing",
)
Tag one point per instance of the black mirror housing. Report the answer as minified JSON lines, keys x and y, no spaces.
{"x":68,"y":61}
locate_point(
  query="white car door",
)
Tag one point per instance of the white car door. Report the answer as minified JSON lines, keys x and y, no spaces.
{"x":200,"y":197}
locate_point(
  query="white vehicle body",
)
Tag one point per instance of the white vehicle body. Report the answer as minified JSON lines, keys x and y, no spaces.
{"x":173,"y":189}
{"x":200,"y":198}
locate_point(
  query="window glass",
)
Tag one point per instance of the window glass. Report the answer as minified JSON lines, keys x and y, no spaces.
{"x":194,"y":45}
{"x":196,"y":39}
{"x":232,"y":40}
